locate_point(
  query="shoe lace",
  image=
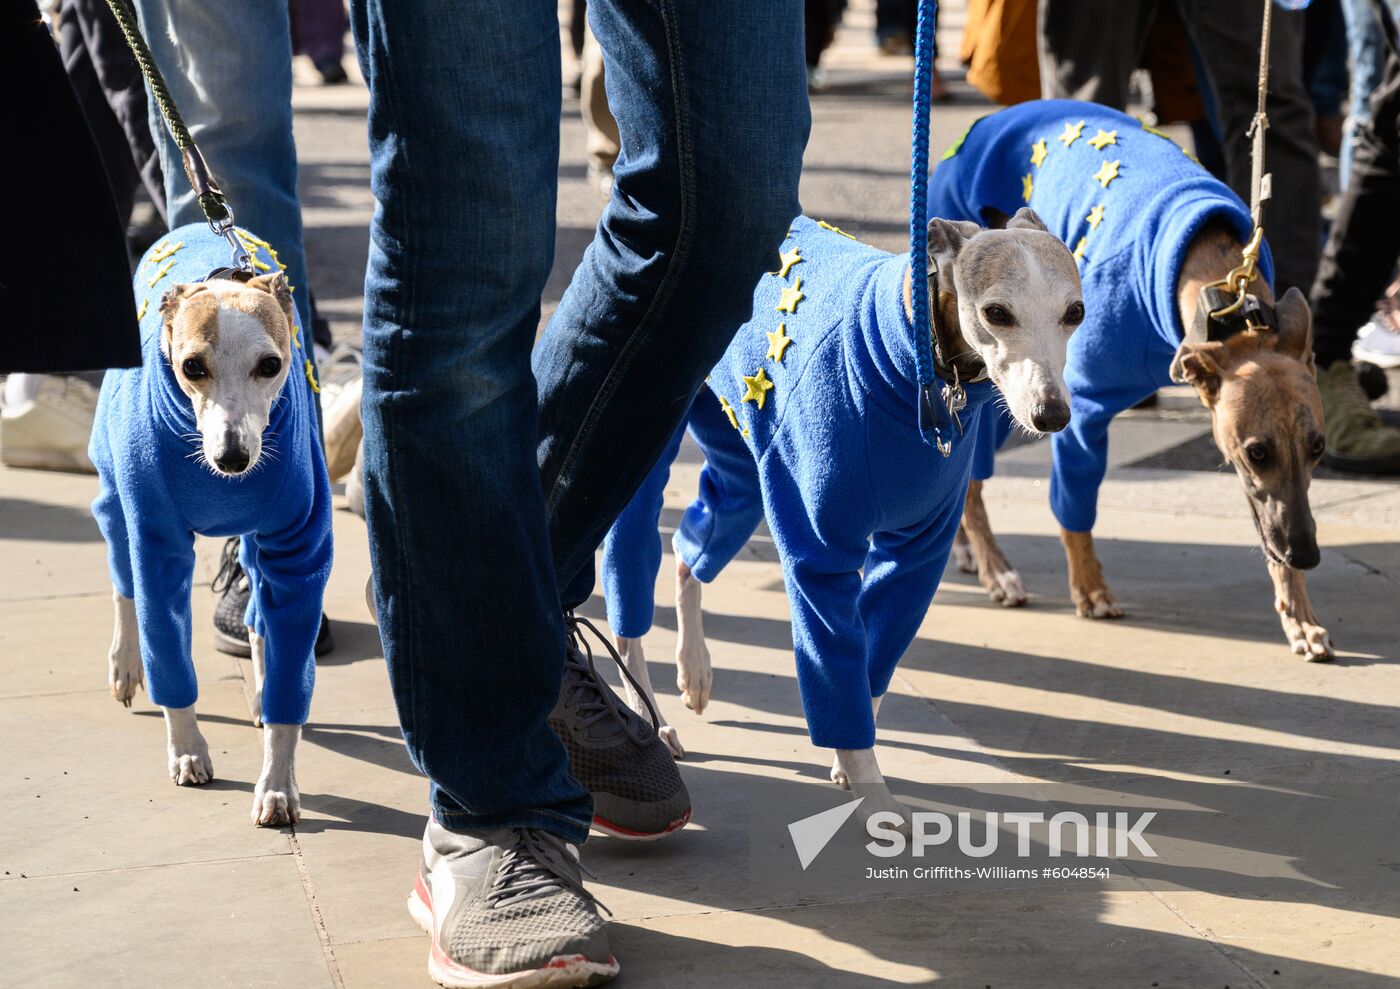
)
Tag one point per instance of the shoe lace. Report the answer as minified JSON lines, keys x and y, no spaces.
{"x":584,"y":690}
{"x":230,"y":567}
{"x":532,"y":866}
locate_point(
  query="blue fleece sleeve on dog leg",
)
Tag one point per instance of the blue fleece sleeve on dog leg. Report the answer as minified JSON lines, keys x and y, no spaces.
{"x":632,"y":552}
{"x":292,"y":566}
{"x":164,"y":577}
{"x":1080,"y":462}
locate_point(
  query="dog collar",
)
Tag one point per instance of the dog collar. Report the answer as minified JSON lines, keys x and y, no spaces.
{"x":1221,"y":314}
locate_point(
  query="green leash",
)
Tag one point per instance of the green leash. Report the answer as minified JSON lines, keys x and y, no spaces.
{"x":211,"y":198}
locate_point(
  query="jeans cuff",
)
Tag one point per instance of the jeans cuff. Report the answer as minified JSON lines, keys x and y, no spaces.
{"x":570,"y":829}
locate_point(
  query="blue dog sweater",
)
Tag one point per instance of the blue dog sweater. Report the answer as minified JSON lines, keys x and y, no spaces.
{"x":1128,"y":201}
{"x":812,"y":414}
{"x":156,"y":492}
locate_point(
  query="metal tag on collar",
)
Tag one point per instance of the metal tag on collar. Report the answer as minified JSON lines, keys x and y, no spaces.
{"x":934,"y":418}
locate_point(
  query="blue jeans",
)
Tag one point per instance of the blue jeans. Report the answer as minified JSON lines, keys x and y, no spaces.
{"x":1366,"y":51}
{"x":229,"y":67}
{"x":484,"y":494}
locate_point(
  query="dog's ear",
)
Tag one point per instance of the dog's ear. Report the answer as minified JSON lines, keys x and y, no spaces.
{"x":947,"y":237}
{"x":1198,"y":364}
{"x":170,"y":304}
{"x":1295,"y":327}
{"x":1026,"y":219}
{"x":276,"y":286}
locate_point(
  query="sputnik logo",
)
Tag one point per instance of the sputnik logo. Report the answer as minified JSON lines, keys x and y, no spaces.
{"x":811,"y":834}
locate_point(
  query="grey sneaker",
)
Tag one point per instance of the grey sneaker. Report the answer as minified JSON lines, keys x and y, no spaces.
{"x":637,"y":790}
{"x":506,"y":909}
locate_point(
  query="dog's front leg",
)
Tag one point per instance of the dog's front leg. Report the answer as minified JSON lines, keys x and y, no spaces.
{"x":258,"y":646}
{"x":1092,"y":598}
{"x":189,"y":753}
{"x":636,"y":662}
{"x":694,"y":676}
{"x":276,"y":801}
{"x":1306,"y":637}
{"x":124,"y":672}
{"x":1001,"y":582}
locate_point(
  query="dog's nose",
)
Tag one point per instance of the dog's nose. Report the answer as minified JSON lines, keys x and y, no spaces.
{"x":1303,"y":557}
{"x":234,"y":460}
{"x":1050,"y":417}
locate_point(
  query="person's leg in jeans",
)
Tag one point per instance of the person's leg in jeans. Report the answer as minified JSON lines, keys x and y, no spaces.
{"x":1089,"y":48}
{"x":1227,"y":33}
{"x":1356,"y":267}
{"x":1366,"y":53}
{"x":229,"y":68}
{"x":711,"y":104}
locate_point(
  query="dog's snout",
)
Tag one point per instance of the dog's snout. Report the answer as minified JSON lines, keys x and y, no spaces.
{"x":1303,"y":556}
{"x":234,"y":459}
{"x":1050,"y":417}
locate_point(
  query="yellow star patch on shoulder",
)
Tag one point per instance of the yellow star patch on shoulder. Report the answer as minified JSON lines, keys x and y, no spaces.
{"x":729,"y":412}
{"x":1027,"y":187}
{"x":836,"y":230}
{"x":1071,"y":134}
{"x":792,"y":295}
{"x":1095,"y":217}
{"x":1079,"y":248}
{"x":778,"y":343}
{"x":1107,"y":172}
{"x":1103,"y":139}
{"x":789,"y":258}
{"x":1039,"y":152}
{"x":757,"y":387}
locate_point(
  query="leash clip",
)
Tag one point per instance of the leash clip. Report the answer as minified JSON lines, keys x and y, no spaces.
{"x":242,"y":260}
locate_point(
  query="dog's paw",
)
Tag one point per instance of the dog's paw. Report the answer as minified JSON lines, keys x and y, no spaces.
{"x":672,"y":740}
{"x":191,"y":768}
{"x":1096,"y":602}
{"x":694,"y":679}
{"x":1309,"y":640}
{"x":124,"y":675}
{"x":276,"y":805}
{"x":838,"y":775}
{"x":1006,"y":589}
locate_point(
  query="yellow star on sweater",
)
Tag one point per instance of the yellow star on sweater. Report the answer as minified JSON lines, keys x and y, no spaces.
{"x":1107,"y":173}
{"x":1071,"y":134}
{"x":1094,"y":218}
{"x":1103,"y":139}
{"x":1027,"y":187}
{"x":758,"y":386}
{"x":792,"y":295}
{"x":789,"y":258}
{"x":1079,"y":248}
{"x":1039,"y":152}
{"x":778,"y":343}
{"x":729,"y":412}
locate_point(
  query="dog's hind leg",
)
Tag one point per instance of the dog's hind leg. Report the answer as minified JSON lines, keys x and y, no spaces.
{"x":996,"y":575}
{"x":694,"y":676}
{"x":838,"y":774}
{"x":868,"y":784}
{"x":276,"y":801}
{"x":634,"y":658}
{"x":963,"y":556}
{"x":189,"y":753}
{"x":124,"y":672}
{"x":1305,"y":636}
{"x":1092,"y":598}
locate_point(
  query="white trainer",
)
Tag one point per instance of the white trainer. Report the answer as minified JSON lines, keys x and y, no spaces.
{"x":50,"y":431}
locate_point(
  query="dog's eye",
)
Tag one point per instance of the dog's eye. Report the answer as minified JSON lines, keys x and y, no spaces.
{"x":194,"y":369}
{"x":998,"y":315}
{"x":1074,"y":315}
{"x":1318,"y":445}
{"x":269,"y":367}
{"x":1258,"y":453}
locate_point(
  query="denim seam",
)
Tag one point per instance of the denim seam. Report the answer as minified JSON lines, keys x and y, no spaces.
{"x":679,"y":258}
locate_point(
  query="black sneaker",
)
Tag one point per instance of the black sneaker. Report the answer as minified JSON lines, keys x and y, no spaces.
{"x":637,"y":790}
{"x":231,"y":583}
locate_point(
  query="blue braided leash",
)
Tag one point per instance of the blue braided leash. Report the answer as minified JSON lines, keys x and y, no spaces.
{"x":934,"y":418}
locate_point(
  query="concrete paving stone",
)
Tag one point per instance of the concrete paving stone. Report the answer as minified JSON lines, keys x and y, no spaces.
{"x":241,"y":923}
